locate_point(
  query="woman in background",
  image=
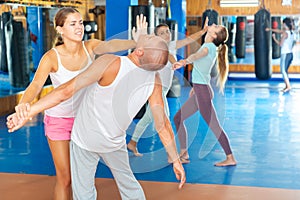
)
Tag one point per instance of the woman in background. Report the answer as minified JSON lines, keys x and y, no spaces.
{"x":213,"y":48}
{"x":166,"y":75}
{"x":286,"y":43}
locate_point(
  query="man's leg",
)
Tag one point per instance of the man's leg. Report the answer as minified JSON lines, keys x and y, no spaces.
{"x":118,"y":162}
{"x":83,"y":169}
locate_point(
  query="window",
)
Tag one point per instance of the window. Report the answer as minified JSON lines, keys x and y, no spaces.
{"x":239,"y":3}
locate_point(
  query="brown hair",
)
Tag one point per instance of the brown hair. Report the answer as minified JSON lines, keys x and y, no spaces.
{"x":159,"y":26}
{"x":59,"y":20}
{"x":223,"y":65}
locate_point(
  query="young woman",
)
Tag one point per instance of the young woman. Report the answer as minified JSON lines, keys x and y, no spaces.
{"x":214,"y":48}
{"x":166,"y":74}
{"x":286,"y":43}
{"x":68,"y":58}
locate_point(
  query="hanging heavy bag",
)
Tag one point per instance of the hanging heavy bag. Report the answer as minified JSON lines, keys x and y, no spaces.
{"x":5,"y":18}
{"x":240,"y":38}
{"x":262,"y":45}
{"x":134,"y":11}
{"x":2,"y":42}
{"x":213,"y":18}
{"x":146,"y":10}
{"x":276,"y":24}
{"x":17,"y":55}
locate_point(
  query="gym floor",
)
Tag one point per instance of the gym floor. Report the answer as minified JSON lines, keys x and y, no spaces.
{"x":262,"y":124}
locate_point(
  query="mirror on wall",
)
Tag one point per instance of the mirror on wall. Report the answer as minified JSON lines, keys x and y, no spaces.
{"x":241,"y":39}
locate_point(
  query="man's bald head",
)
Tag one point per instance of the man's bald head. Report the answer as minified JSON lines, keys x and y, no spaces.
{"x":154,"y":52}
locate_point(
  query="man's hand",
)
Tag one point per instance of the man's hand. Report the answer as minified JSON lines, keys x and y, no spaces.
{"x":205,"y":26}
{"x":179,"y":173}
{"x":14,"y":123}
{"x":141,"y":27}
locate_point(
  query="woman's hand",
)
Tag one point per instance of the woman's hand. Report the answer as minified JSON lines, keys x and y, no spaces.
{"x":14,"y":123}
{"x":22,"y":110}
{"x":179,"y":64}
{"x":141,"y":27}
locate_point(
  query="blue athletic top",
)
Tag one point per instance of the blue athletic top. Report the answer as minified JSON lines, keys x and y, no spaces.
{"x":202,"y":67}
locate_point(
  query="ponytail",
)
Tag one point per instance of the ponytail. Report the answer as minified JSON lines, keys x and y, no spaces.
{"x":58,"y":40}
{"x":223,"y":66}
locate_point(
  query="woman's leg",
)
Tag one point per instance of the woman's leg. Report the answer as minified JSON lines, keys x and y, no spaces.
{"x":58,"y":132}
{"x":204,"y":98}
{"x":285,"y":62}
{"x":140,"y":128}
{"x":188,"y":109}
{"x":61,"y":157}
{"x":142,"y":124}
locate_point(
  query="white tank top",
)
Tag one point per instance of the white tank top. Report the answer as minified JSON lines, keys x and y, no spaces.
{"x":69,"y":107}
{"x":106,"y":111}
{"x":287,"y":46}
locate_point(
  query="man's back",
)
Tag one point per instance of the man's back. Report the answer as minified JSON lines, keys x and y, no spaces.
{"x":111,"y":108}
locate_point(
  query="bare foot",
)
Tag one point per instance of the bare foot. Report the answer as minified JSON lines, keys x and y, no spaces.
{"x":132,"y":147}
{"x":184,"y":156}
{"x":185,"y":161}
{"x":230,"y":161}
{"x":287,"y":89}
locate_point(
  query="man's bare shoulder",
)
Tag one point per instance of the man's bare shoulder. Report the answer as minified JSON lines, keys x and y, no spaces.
{"x":111,"y":64}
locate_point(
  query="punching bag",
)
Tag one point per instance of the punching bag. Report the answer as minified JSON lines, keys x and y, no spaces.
{"x":213,"y":18}
{"x":230,"y":27}
{"x":5,"y":18}
{"x":276,"y":24}
{"x":240,"y":37}
{"x":262,"y":44}
{"x":17,"y":54}
{"x":1,"y":42}
{"x":147,"y":11}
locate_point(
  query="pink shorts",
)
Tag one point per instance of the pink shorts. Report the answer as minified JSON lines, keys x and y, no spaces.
{"x":57,"y":128}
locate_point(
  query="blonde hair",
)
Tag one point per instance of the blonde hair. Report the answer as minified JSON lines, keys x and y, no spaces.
{"x":223,"y":64}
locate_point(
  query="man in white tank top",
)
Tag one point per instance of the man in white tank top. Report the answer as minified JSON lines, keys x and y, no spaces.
{"x":116,"y":89}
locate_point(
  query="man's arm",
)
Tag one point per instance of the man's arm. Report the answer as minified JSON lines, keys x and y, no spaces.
{"x":164,"y":129}
{"x":65,"y":91}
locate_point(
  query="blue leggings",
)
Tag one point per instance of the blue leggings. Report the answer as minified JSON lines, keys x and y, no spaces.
{"x":285,"y":62}
{"x":202,"y":101}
